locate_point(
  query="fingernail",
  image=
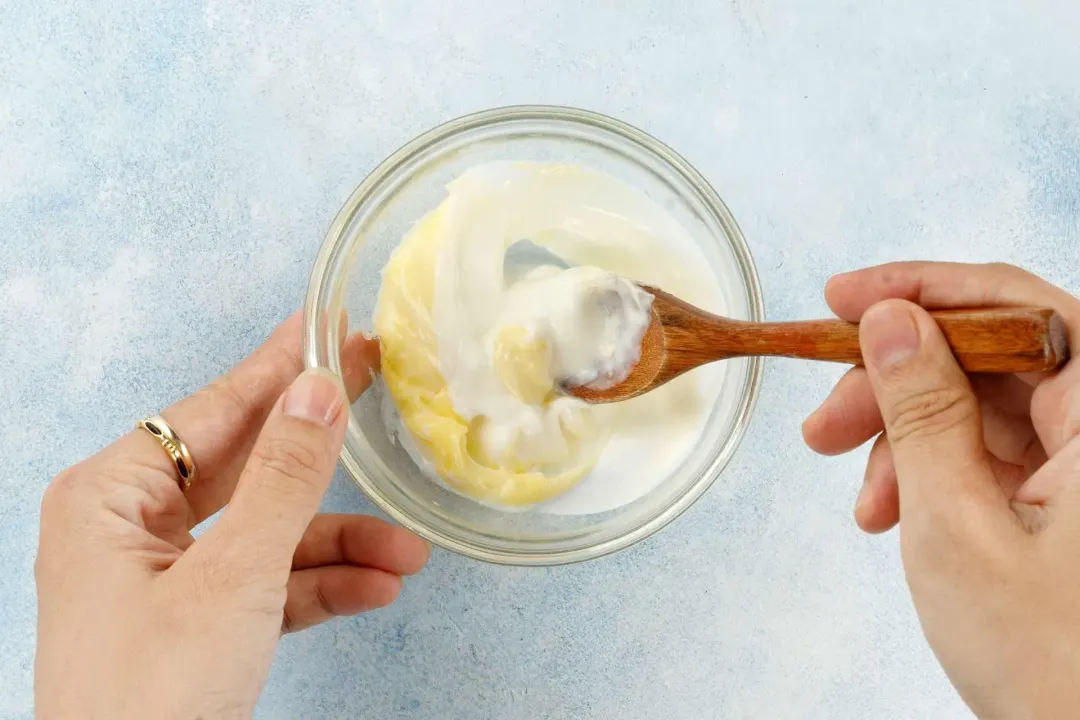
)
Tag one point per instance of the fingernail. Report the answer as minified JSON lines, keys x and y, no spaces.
{"x":315,"y":396}
{"x":888,"y":334}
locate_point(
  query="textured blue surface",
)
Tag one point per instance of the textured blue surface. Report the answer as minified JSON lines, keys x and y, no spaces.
{"x":167,"y":171}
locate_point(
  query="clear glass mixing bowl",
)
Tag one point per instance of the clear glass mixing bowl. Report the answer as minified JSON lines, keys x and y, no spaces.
{"x":411,"y":182}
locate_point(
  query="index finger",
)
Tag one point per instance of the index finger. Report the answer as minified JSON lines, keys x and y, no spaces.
{"x":936,"y":285}
{"x":219,"y":423}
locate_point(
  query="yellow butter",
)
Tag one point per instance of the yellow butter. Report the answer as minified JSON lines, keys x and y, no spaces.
{"x":522,"y":362}
{"x":403,"y":321}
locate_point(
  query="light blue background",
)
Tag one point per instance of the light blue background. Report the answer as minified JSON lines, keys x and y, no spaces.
{"x":167,"y":171}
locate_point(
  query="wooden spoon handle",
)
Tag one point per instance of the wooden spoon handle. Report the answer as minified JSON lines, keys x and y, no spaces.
{"x":997,"y":340}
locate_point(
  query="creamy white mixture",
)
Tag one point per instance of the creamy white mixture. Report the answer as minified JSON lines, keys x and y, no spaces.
{"x":592,"y":320}
{"x":581,"y":326}
{"x":497,"y":348}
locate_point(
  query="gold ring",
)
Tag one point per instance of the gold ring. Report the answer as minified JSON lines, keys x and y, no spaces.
{"x":174,"y":448}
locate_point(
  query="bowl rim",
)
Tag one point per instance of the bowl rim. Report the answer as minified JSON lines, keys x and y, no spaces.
{"x":320,"y":288}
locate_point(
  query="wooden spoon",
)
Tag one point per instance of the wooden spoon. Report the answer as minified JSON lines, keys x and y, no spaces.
{"x":681,"y":337}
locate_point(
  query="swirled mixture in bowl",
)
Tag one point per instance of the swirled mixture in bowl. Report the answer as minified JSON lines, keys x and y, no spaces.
{"x":474,"y":351}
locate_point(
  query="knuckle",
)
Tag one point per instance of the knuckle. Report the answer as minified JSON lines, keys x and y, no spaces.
{"x":288,"y":457}
{"x":1003,"y":268}
{"x":59,"y":491}
{"x":62,"y":523}
{"x":1014,"y":283}
{"x":287,"y":359}
{"x":931,"y":413}
{"x":227,"y":395}
{"x":1005,"y":272}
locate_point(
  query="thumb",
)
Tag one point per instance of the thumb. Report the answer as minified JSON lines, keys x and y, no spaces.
{"x":289,"y":469}
{"x":932,"y":420}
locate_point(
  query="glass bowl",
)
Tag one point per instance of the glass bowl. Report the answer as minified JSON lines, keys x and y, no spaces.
{"x":411,"y":182}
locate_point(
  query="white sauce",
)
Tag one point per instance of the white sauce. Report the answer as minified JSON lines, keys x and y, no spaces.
{"x":591,"y":318}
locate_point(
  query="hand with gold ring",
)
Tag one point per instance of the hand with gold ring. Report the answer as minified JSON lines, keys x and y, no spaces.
{"x":137,"y":619}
